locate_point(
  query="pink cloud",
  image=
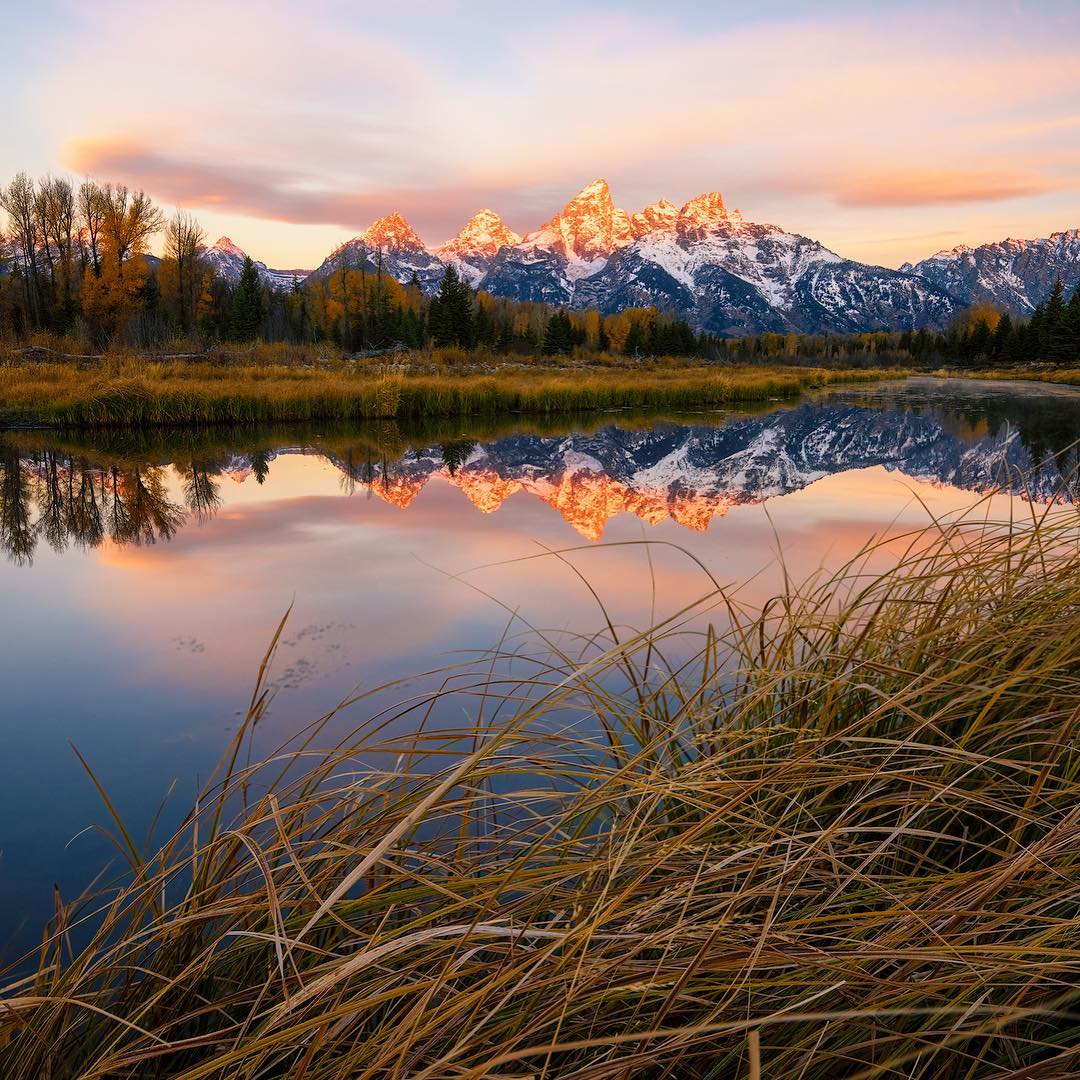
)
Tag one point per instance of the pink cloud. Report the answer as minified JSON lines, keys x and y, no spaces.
{"x":900,"y":188}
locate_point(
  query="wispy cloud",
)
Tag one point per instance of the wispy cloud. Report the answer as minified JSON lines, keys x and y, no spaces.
{"x":938,"y":188}
{"x":267,"y":192}
{"x":816,"y":117}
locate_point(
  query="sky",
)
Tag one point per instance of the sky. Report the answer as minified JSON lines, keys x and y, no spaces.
{"x":887,"y":131}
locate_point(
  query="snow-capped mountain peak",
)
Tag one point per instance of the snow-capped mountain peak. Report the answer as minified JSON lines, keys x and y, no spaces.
{"x":589,"y":227}
{"x":662,"y":215}
{"x":705,"y":262}
{"x":704,"y":215}
{"x":472,"y":250}
{"x":227,"y":260}
{"x":1013,"y":274}
{"x":481,"y":237}
{"x":227,"y":247}
{"x":392,"y":233}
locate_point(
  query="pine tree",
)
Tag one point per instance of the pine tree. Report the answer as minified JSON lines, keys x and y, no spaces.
{"x":1035,"y":338}
{"x":635,"y":340}
{"x":1072,"y":325}
{"x":450,"y":314}
{"x":558,"y":336}
{"x":1003,"y":332}
{"x":247,"y":311}
{"x":260,"y":466}
{"x":1055,"y":328}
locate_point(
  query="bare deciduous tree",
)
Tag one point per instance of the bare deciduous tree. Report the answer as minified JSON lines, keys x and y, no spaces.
{"x":91,"y":208}
{"x":19,"y":200}
{"x":184,"y":241}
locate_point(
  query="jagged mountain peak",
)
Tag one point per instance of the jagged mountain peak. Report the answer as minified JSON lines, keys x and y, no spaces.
{"x":598,"y":190}
{"x":660,"y":215}
{"x":226,"y":246}
{"x":1013,"y":274}
{"x":481,"y":237}
{"x":227,"y":260}
{"x":392,"y":233}
{"x":706,"y":214}
{"x":589,"y":227}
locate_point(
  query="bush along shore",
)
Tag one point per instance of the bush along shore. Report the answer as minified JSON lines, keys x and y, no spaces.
{"x":136,"y":392}
{"x":835,"y":837}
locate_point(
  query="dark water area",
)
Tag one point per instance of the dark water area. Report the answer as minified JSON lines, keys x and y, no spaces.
{"x":143,"y":574}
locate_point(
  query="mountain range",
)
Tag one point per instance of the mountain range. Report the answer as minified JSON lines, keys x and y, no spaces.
{"x":703,"y":262}
{"x":694,"y":473}
{"x":227,"y":259}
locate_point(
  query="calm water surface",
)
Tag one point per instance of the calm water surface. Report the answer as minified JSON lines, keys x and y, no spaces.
{"x":141,"y":578}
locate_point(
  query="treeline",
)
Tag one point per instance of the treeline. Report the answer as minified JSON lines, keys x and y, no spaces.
{"x":74,"y":260}
{"x":982,"y":336}
{"x":362,"y":308}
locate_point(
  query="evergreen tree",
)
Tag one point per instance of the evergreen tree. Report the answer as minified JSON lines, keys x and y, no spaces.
{"x":450,"y":314}
{"x":1072,"y":324}
{"x":1002,"y":334}
{"x":246,"y":313}
{"x":979,"y":342}
{"x":506,"y":337}
{"x":635,"y":340}
{"x":483,"y":328}
{"x":456,"y":453}
{"x":1035,"y":340}
{"x":1055,"y":324}
{"x":558,"y":336}
{"x":260,"y":466}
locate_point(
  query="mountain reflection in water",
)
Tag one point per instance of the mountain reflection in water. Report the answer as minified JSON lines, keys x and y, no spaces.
{"x":689,"y":473}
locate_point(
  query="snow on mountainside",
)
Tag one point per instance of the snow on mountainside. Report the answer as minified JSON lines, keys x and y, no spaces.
{"x":574,"y":244}
{"x":478,"y":242}
{"x":660,"y":215}
{"x":227,"y":259}
{"x":731,"y":276}
{"x":1016,"y":274}
{"x":392,"y":245}
{"x":709,"y":265}
{"x":694,"y":473}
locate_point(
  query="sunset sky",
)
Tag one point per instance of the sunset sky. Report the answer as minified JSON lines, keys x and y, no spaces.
{"x":887,"y":131}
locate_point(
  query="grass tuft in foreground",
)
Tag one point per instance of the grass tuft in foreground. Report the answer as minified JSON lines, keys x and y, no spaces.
{"x":836,"y":838}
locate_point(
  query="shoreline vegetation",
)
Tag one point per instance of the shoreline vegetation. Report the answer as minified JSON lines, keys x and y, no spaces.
{"x":260,"y":385}
{"x":836,"y":836}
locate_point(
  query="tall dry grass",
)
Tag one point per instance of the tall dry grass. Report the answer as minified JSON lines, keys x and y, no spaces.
{"x":139,"y":393}
{"x":835,"y":837}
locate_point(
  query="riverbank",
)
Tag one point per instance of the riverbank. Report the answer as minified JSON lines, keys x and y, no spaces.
{"x":1062,"y":376}
{"x":132,"y":392}
{"x":838,"y":837}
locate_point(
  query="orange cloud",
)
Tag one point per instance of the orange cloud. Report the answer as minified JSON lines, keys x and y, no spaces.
{"x":899,"y":188}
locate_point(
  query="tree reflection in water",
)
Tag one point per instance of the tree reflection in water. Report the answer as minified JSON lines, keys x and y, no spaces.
{"x":690,"y":473}
{"x":65,"y":499}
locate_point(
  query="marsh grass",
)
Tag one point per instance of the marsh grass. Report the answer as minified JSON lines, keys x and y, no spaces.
{"x":1062,"y":376}
{"x":836,"y":836}
{"x":134,"y":392}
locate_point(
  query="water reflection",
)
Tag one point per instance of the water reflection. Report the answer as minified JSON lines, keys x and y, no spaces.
{"x":65,"y":498}
{"x":145,"y":572}
{"x":689,"y":473}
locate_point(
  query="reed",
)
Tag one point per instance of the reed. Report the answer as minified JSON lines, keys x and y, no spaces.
{"x":1062,"y":376}
{"x":838,"y":836}
{"x":140,"y":393}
